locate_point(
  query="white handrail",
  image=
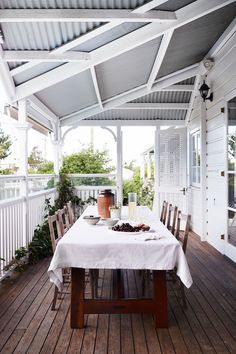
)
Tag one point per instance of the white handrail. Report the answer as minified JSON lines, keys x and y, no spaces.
{"x":91,"y":175}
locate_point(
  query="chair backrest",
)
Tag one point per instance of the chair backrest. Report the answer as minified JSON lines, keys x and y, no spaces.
{"x":171,"y":218}
{"x":55,"y":230}
{"x":182,"y":236}
{"x":71,"y":213}
{"x":63,"y":218}
{"x":164,"y":212}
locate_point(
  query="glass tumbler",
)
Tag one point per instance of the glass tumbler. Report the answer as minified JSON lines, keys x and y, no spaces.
{"x":132,"y":205}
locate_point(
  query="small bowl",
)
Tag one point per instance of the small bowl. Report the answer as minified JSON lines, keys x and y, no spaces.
{"x":91,"y":219}
{"x":110,"y":221}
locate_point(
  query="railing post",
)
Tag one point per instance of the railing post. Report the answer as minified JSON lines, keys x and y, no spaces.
{"x":23,"y":126}
{"x":119,"y":147}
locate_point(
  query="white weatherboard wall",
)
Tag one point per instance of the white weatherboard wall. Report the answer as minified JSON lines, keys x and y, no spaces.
{"x":222,"y":80}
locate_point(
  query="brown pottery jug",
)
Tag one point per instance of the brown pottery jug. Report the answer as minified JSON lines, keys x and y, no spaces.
{"x":105,"y":200}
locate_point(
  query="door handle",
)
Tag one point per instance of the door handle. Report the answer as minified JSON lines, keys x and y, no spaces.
{"x":183,"y":190}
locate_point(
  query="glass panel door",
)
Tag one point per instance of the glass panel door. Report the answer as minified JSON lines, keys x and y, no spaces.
{"x":231,"y":239}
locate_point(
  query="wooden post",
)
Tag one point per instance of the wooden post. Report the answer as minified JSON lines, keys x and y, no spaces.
{"x":160,"y":297}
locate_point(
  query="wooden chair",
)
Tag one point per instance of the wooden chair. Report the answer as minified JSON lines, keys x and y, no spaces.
{"x":63,"y":218}
{"x":164,"y":212}
{"x":56,"y":233}
{"x":182,"y":237}
{"x":71,"y":213}
{"x":171,"y":218}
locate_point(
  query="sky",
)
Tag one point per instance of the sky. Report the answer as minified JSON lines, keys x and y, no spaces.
{"x":135,"y":141}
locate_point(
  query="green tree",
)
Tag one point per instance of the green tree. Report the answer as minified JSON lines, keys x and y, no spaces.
{"x":38,"y":164}
{"x":88,"y":161}
{"x":5,"y":144}
{"x":36,"y":157}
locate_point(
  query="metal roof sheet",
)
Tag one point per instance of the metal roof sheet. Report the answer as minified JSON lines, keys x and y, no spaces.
{"x":165,"y":97}
{"x":191,"y":42}
{"x":140,"y":114}
{"x":128,"y":70}
{"x":173,"y":5}
{"x":70,"y":95}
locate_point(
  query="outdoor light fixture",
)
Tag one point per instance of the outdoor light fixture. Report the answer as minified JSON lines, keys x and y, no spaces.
{"x":204,"y":90}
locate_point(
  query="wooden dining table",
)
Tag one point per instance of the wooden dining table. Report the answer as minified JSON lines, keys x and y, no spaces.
{"x":99,"y":247}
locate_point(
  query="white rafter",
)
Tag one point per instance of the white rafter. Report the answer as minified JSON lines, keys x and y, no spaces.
{"x":112,"y":103}
{"x":83,"y":15}
{"x":193,"y":97}
{"x":43,"y":56}
{"x":95,"y":83}
{"x":149,"y":6}
{"x":131,"y":106}
{"x":39,"y":106}
{"x":136,"y":38}
{"x":159,"y":57}
{"x":7,"y":86}
{"x":87,"y":36}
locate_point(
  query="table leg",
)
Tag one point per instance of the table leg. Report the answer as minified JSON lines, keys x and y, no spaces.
{"x":77,"y":297}
{"x":160,"y":297}
{"x":118,"y":284}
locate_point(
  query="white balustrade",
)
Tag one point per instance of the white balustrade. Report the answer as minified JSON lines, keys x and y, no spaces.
{"x":16,"y":227}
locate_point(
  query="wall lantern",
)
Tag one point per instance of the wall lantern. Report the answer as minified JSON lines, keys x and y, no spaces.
{"x":204,"y":90}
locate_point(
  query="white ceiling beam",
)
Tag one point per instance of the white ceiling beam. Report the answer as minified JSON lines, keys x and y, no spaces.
{"x":83,"y":15}
{"x":149,"y":6}
{"x":112,"y":103}
{"x":96,"y":87}
{"x":230,"y":30}
{"x":159,"y":57}
{"x":136,"y":38}
{"x":87,"y":36}
{"x":7,"y":86}
{"x":126,"y":122}
{"x":132,"y":106}
{"x":43,"y":56}
{"x":39,"y":106}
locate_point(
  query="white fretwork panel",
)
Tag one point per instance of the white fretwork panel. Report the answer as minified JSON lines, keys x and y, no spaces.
{"x":172,"y":162}
{"x":171,"y":146}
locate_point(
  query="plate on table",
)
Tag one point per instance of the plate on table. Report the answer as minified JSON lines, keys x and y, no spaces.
{"x":127,"y":229}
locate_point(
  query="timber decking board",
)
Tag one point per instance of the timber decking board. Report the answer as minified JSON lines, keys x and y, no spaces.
{"x":208,"y":325}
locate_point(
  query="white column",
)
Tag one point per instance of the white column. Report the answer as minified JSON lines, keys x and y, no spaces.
{"x":203,"y":175}
{"x":57,"y":144}
{"x":119,"y":151}
{"x":149,"y":166}
{"x":142,"y":166}
{"x":156,"y":202}
{"x":23,"y":127}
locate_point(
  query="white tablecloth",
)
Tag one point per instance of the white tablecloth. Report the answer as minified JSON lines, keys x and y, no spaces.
{"x":97,"y":246}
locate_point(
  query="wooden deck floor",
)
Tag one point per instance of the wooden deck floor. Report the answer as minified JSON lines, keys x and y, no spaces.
{"x":208,"y":325}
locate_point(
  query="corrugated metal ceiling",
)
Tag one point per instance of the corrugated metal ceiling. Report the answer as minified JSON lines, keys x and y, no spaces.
{"x":165,"y":97}
{"x":140,"y":114}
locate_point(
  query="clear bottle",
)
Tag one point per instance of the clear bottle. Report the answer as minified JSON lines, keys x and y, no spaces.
{"x":132,"y":205}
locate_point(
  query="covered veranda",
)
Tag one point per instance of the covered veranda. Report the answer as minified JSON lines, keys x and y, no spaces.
{"x":70,"y":64}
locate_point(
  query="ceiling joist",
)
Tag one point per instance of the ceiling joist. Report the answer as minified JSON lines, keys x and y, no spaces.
{"x":151,"y":31}
{"x":43,"y":56}
{"x":87,"y":36}
{"x":83,"y":15}
{"x":117,"y":101}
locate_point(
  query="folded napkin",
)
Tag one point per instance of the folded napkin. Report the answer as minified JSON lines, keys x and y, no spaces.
{"x":148,"y":237}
